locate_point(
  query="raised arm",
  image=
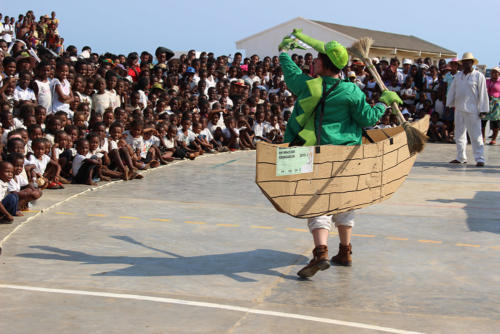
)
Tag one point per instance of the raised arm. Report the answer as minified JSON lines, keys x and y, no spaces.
{"x":294,"y":77}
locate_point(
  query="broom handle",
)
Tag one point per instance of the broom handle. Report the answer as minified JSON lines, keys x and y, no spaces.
{"x":383,"y":87}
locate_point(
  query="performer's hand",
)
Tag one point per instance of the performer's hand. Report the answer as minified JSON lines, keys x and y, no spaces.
{"x":289,"y":43}
{"x":388,"y":98}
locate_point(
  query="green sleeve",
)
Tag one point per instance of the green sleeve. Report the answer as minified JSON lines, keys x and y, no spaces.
{"x":363,"y":113}
{"x":294,"y":77}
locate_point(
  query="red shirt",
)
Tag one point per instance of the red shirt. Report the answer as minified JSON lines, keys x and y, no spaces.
{"x":134,"y":72}
{"x":493,"y":88}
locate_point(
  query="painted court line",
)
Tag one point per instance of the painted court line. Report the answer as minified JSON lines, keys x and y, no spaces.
{"x":467,"y":245}
{"x":363,"y":235}
{"x":64,"y":213}
{"x":262,"y":227}
{"x":128,"y":217}
{"x":196,"y":223}
{"x":397,"y":238}
{"x":228,"y":225}
{"x":96,"y":215}
{"x":211,"y":305}
{"x":160,"y":219}
{"x":224,"y":163}
{"x":296,"y":229}
{"x":431,"y":241}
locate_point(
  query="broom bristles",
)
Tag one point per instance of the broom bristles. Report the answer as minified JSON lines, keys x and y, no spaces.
{"x":415,"y":138}
{"x":361,"y":48}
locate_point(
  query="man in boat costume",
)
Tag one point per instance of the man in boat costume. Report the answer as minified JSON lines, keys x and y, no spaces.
{"x":339,"y":109}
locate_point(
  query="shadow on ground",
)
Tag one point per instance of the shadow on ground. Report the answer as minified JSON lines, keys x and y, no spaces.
{"x":232,"y":265}
{"x":474,"y":205}
{"x":471,"y":166}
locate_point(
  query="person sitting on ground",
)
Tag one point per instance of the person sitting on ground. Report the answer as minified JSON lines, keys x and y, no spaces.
{"x":9,"y":204}
{"x":20,"y":185}
{"x":85,"y":164}
{"x":46,"y":170}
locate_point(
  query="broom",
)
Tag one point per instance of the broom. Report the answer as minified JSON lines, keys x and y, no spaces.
{"x":416,"y":139}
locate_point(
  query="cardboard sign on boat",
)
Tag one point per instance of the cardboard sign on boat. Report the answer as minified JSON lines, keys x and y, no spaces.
{"x":338,"y":178}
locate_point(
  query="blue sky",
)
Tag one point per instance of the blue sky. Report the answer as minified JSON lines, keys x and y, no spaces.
{"x":124,"y":26}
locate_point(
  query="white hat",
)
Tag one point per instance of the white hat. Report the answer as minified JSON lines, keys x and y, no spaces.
{"x":351,"y":74}
{"x":469,"y":56}
{"x":407,"y":61}
{"x":424,"y":66}
{"x":496,"y":69}
{"x":375,"y":60}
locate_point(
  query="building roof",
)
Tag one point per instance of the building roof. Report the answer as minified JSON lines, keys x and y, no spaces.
{"x":388,"y":40}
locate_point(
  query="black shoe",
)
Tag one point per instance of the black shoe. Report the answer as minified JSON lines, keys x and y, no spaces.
{"x":457,"y":162}
{"x":480,"y":164}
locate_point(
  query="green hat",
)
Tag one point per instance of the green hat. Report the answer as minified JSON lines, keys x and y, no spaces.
{"x":337,"y":54}
{"x":335,"y":51}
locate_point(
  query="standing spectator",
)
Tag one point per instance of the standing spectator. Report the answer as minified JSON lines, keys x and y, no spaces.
{"x":493,"y":85}
{"x":469,"y":97}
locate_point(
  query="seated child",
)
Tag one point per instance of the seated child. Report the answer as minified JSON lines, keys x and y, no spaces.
{"x":246,"y":134}
{"x":231,"y":134}
{"x":19,"y":184}
{"x":9,"y":204}
{"x":84,"y":164}
{"x":120,"y":154}
{"x":45,"y":169}
{"x":138,"y":150}
{"x":171,"y":144}
{"x":275,"y":135}
{"x":201,"y":139}
{"x":186,"y":138}
{"x":437,"y":129}
{"x":105,"y":174}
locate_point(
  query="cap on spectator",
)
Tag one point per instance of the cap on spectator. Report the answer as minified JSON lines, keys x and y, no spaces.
{"x":239,"y":82}
{"x":496,"y":69}
{"x":159,"y":86}
{"x":384,"y":60}
{"x":454,"y":60}
{"x":358,"y":63}
{"x":190,"y":70}
{"x":262,"y":87}
{"x":375,"y":60}
{"x":351,"y":74}
{"x":244,"y":68}
{"x":407,"y":61}
{"x":165,"y":50}
{"x":424,"y":66}
{"x":469,"y":56}
{"x":162,"y":66}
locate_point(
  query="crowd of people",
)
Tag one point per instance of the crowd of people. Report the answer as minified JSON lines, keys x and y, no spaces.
{"x":69,"y":116}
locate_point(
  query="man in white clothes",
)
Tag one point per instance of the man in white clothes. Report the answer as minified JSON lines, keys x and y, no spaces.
{"x":469,"y":96}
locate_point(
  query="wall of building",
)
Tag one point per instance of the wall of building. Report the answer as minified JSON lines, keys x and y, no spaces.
{"x":266,"y":43}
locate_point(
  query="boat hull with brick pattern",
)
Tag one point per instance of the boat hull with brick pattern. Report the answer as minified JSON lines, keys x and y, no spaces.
{"x":344,"y":178}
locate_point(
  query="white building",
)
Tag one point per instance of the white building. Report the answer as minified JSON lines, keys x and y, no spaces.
{"x":388,"y":45}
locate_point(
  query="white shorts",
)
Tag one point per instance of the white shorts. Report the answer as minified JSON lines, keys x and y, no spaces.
{"x":343,"y":219}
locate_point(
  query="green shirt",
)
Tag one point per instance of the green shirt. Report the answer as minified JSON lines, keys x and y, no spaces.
{"x":346,"y":109}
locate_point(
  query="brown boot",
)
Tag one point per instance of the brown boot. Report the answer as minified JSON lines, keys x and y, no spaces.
{"x":319,"y":262}
{"x":343,"y":258}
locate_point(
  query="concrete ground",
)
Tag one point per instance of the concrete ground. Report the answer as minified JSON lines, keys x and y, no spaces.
{"x":196,"y":248}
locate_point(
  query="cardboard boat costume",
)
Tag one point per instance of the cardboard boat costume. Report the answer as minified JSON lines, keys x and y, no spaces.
{"x":346,"y":171}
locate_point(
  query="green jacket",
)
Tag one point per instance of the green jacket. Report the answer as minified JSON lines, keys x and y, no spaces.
{"x":346,"y":109}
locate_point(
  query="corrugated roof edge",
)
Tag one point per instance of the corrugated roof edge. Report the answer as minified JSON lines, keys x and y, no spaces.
{"x":329,"y":26}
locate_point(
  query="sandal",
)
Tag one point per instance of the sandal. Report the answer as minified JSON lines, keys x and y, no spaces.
{"x":492,"y":142}
{"x":54,"y":185}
